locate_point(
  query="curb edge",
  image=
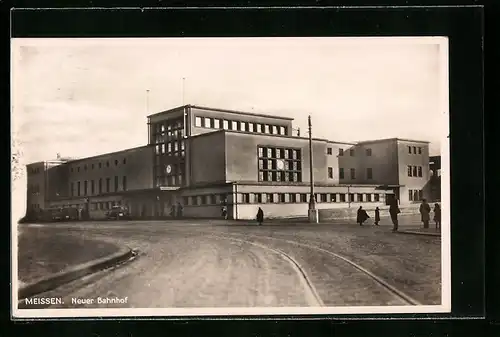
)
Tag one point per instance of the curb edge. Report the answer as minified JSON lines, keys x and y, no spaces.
{"x":61,"y":278}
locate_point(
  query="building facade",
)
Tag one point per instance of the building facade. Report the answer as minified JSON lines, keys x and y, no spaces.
{"x":201,"y":160}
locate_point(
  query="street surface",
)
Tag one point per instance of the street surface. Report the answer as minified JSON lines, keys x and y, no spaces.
{"x":219,"y":264}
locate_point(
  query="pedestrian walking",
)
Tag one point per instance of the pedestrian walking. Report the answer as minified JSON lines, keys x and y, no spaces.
{"x":377,"y":216}
{"x":425,"y":211}
{"x":362,"y":216}
{"x":224,"y":212}
{"x":260,"y":216}
{"x":180,"y":210}
{"x":437,"y":215}
{"x":394,"y":211}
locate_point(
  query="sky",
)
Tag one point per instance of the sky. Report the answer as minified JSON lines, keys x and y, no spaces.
{"x":82,"y":97}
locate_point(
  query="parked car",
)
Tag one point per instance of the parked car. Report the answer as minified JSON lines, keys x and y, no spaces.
{"x":117,"y":213}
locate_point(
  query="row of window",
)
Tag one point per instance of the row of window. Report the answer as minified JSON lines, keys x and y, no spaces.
{"x":414,"y":150}
{"x":216,"y":123}
{"x":35,"y":206}
{"x":105,"y":205}
{"x":171,"y":147}
{"x":34,"y":189}
{"x":263,"y":198}
{"x":35,"y":170}
{"x":352,"y":152}
{"x":415,"y":195}
{"x":414,"y":171}
{"x":100,"y":165}
{"x":103,"y":186}
{"x":160,"y":128}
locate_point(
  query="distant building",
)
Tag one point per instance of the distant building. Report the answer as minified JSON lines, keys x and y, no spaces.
{"x":435,"y":178}
{"x":201,"y":158}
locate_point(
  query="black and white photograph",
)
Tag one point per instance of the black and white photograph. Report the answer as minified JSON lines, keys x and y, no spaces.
{"x":230,"y":176}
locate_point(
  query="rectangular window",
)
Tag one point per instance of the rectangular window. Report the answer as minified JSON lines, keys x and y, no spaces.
{"x":353,"y":173}
{"x":124,"y":183}
{"x":369,"y":173}
{"x":259,"y":128}
{"x":216,"y":123}
{"x":419,"y":150}
{"x":273,"y":165}
{"x":351,"y":197}
{"x":303,"y":197}
{"x":266,"y":128}
{"x":351,"y":152}
{"x":293,"y":197}
{"x":281,"y":197}
{"x":270,"y":197}
{"x":251,"y":127}
{"x":415,"y":172}
{"x":360,"y":197}
{"x":225,"y":124}
{"x":368,"y":197}
{"x":420,"y":194}
{"x":414,"y":150}
{"x":368,"y":152}
{"x":410,"y":195}
{"x":78,"y":188}
{"x":341,"y":173}
{"x":376,"y":197}
{"x":258,"y":198}
{"x":409,"y":171}
{"x":323,"y":197}
{"x":207,"y":122}
{"x":274,"y":129}
{"x":342,"y":197}
{"x":244,"y":126}
{"x":282,"y":130}
{"x":234,"y":125}
{"x":409,"y":149}
{"x":108,"y":183}
{"x":329,"y":151}
{"x":85,"y":187}
{"x":246,"y":198}
{"x":341,"y":152}
{"x":420,"y":171}
{"x":330,"y":173}
{"x":72,"y":189}
{"x":92,"y":187}
{"x":198,"y":121}
{"x":333,"y":197}
{"x":116,"y":183}
{"x":100,"y":185}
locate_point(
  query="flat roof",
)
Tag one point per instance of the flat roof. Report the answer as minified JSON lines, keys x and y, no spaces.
{"x":107,"y":154}
{"x":391,"y":139}
{"x":267,"y":135}
{"x":244,"y":113}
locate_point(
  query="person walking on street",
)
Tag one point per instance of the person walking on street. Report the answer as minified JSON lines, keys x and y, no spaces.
{"x":437,"y":215}
{"x":377,"y":216}
{"x":425,"y":211}
{"x":362,"y":216}
{"x":260,"y":216}
{"x":394,"y":211}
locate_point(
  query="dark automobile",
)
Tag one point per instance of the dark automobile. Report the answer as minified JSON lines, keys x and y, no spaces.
{"x":117,"y":212}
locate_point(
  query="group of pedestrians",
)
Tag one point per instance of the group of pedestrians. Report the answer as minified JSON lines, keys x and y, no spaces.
{"x":424,"y":209}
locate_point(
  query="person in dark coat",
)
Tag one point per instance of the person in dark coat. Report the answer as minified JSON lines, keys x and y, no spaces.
{"x":377,"y":216}
{"x":362,"y":216}
{"x":260,"y":216}
{"x":437,"y":215}
{"x":394,"y":211}
{"x":425,"y":211}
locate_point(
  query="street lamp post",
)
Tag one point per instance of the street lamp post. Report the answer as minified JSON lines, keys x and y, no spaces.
{"x":313,"y":212}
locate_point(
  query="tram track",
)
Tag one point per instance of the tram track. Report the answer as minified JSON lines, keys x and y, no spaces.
{"x":393,"y":291}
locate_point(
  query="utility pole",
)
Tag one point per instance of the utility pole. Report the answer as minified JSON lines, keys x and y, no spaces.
{"x":313,"y":212}
{"x":183,"y":89}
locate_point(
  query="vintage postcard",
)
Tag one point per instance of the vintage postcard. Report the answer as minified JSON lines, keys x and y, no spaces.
{"x":230,"y":176}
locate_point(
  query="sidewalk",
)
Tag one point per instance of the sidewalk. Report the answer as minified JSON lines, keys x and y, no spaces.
{"x":42,"y":253}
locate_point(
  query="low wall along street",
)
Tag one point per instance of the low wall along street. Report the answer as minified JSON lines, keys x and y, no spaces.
{"x":351,"y":213}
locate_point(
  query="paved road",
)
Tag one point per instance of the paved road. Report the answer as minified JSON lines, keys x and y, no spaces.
{"x":189,"y":264}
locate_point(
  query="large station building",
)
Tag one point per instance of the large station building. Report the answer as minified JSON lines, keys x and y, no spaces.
{"x":201,"y":157}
